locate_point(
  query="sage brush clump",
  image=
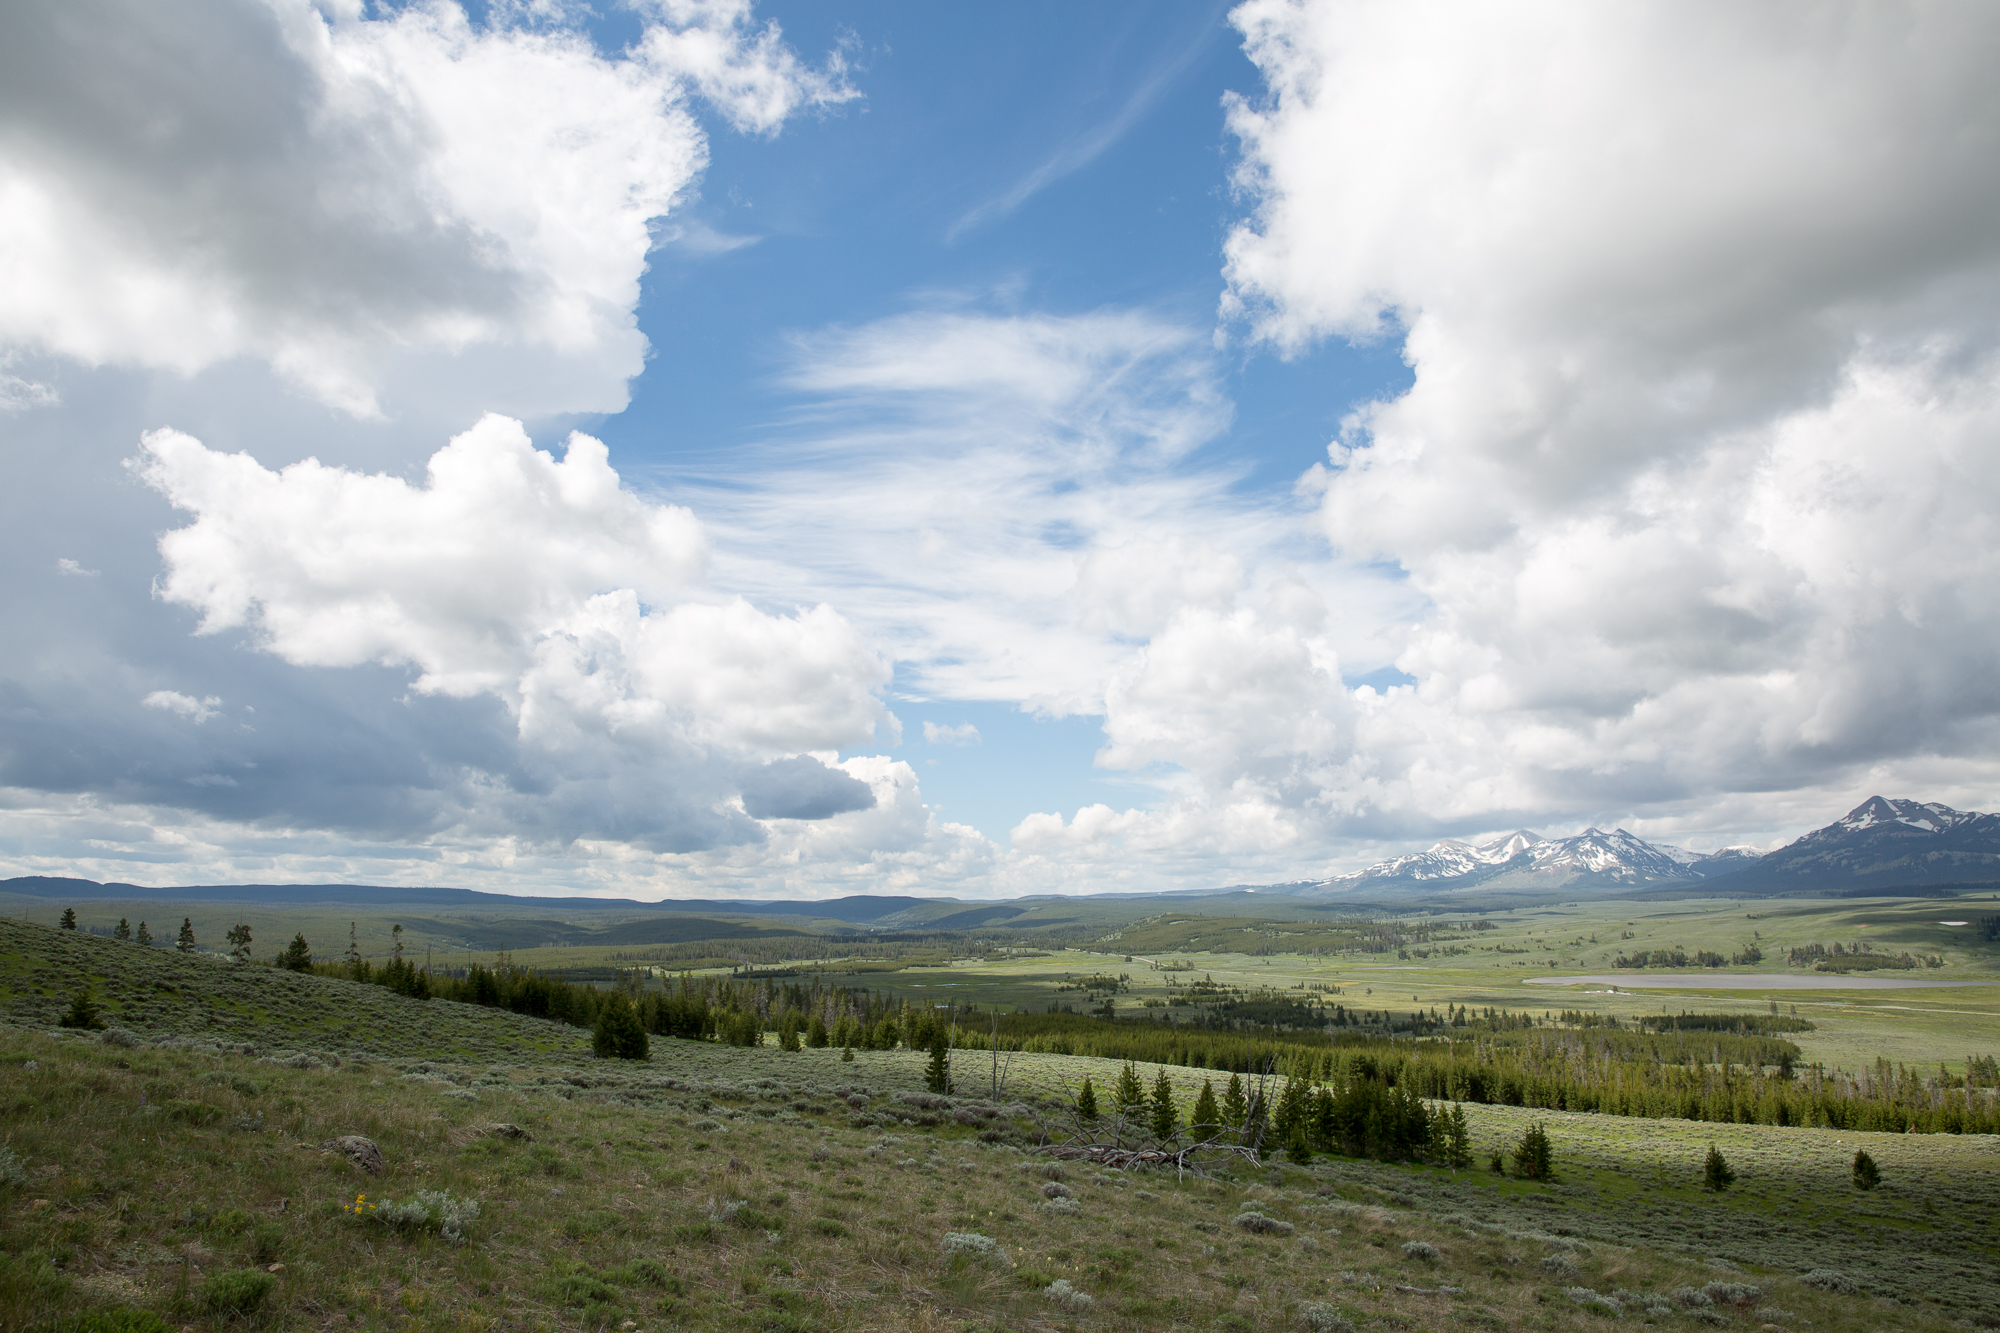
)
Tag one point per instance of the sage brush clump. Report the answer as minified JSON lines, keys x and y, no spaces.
{"x":1323,"y":1318}
{"x":435,"y":1210}
{"x":1069,"y":1298}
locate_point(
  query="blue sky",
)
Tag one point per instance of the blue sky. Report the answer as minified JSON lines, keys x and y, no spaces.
{"x":683,"y":447}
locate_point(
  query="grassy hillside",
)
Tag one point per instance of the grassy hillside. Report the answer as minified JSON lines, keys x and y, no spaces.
{"x":159,"y":1168}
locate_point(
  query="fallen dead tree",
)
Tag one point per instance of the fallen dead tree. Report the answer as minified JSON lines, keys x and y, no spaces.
{"x":1185,"y":1161}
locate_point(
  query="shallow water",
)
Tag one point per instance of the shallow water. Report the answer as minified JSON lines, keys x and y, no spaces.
{"x":1747,"y":981}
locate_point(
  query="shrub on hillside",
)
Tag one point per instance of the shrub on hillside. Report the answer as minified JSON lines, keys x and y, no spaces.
{"x":1830,"y":1279}
{"x":975,"y":1245}
{"x":1063,"y":1295}
{"x":1323,"y":1318}
{"x":1866,"y":1174}
{"x":235,"y":1293}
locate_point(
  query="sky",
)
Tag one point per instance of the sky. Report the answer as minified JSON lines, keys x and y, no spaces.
{"x":682,"y":448}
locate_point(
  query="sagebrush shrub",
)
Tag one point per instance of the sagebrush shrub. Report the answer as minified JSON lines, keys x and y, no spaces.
{"x":1830,"y":1279}
{"x":1589,"y":1299}
{"x":1069,"y":1298}
{"x":1419,"y":1249}
{"x":1560,"y":1264}
{"x":1733,"y":1293}
{"x":1264,"y":1226}
{"x":13,"y":1171}
{"x":974,"y":1244}
{"x":1323,"y":1318}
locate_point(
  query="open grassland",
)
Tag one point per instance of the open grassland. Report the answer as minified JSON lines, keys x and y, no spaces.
{"x":157,"y":1166}
{"x":794,"y":1195}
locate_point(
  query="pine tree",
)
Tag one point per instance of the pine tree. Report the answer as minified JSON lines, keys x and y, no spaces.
{"x":1166,"y":1119}
{"x":1291,"y":1112}
{"x":937,"y":1075}
{"x":1715,"y":1172}
{"x":1234,"y":1106}
{"x":144,"y":936}
{"x":816,"y":1035}
{"x":788,"y":1030}
{"x":847,"y":1055}
{"x":82,"y":1011}
{"x":353,"y":956}
{"x":1298,"y":1145}
{"x":1451,"y":1138}
{"x":1534,"y":1159}
{"x":296,"y":956}
{"x":1086,"y":1102}
{"x":1206,"y":1120}
{"x":1866,"y":1174}
{"x":186,"y":942}
{"x":239,"y":942}
{"x":1130,"y":1093}
{"x":619,"y":1034}
{"x":123,"y":931}
{"x":69,"y":918}
{"x":396,"y":943}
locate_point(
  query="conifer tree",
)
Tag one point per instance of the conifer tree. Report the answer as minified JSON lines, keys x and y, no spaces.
{"x":937,"y":1075}
{"x":123,"y":931}
{"x":1206,"y":1120}
{"x":353,"y":957}
{"x":1534,"y":1159}
{"x":1086,"y":1102}
{"x":396,"y":943}
{"x":1166,"y":1119}
{"x":144,"y":936}
{"x":1866,"y":1174}
{"x":82,"y":1011}
{"x":816,"y":1035}
{"x":1291,"y":1112}
{"x":619,"y":1034}
{"x":186,"y":942}
{"x":1298,"y":1145}
{"x":239,"y":942}
{"x":1130,"y":1094}
{"x":1451,"y":1138}
{"x":1234,"y":1106}
{"x":296,"y":956}
{"x":788,"y":1030}
{"x":69,"y":918}
{"x":1716,"y":1174}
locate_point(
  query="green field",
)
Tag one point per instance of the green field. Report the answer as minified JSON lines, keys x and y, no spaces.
{"x":721,"y":1187}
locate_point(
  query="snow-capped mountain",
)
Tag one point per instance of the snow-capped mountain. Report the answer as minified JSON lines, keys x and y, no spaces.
{"x":1593,"y":859}
{"x":1881,"y":843}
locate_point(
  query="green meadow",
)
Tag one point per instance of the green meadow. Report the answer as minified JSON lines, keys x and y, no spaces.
{"x":165,"y":1167}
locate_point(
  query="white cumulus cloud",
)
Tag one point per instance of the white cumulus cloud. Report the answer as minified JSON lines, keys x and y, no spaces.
{"x":1698,"y":468}
{"x":645,"y":707}
{"x":963,"y":734}
{"x":362,"y":203}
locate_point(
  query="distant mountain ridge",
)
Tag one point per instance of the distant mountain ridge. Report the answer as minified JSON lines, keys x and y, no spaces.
{"x":1881,"y":843}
